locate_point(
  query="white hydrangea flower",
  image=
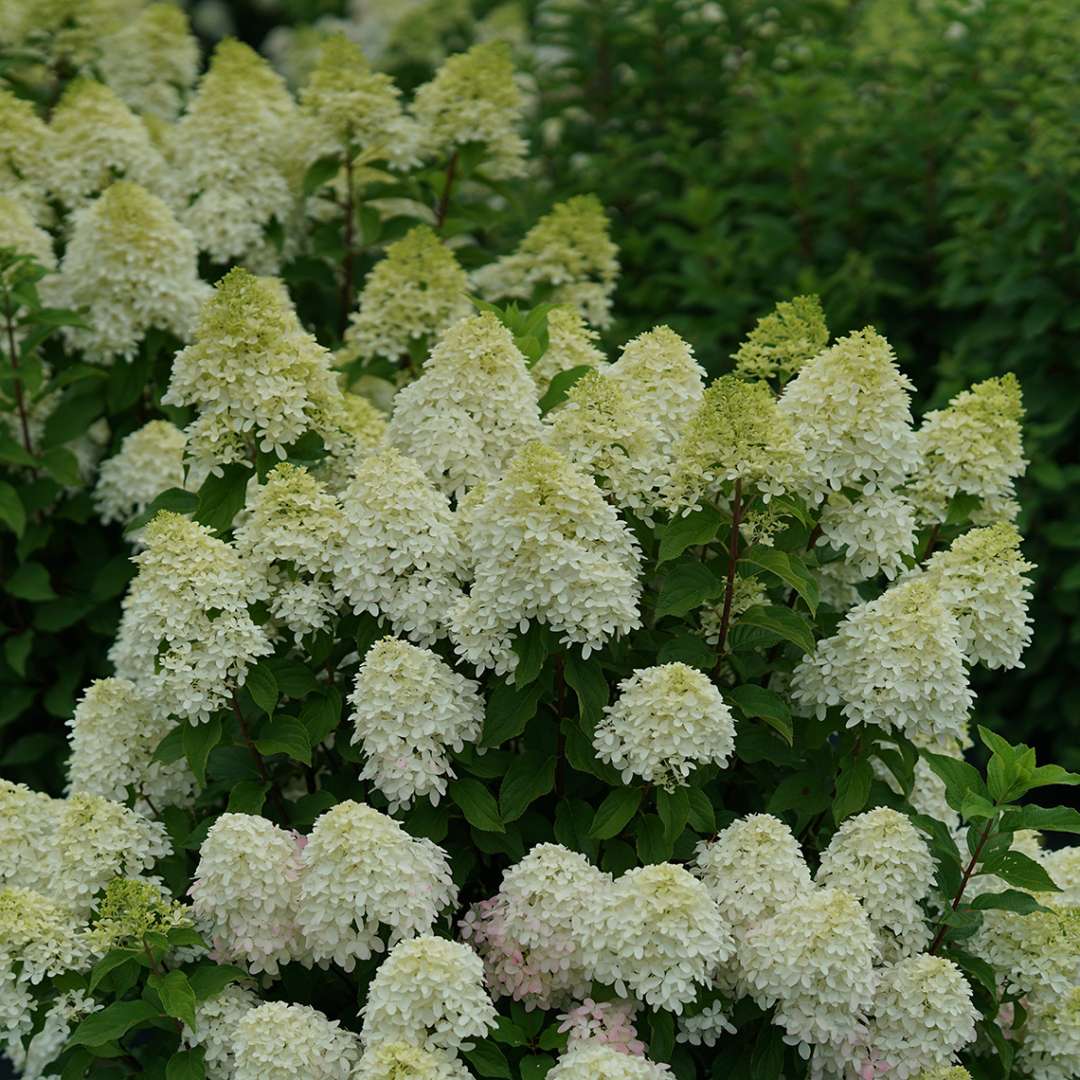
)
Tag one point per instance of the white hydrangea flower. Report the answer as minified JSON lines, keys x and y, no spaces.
{"x":1034,"y":954}
{"x":875,"y":532}
{"x":882,"y":859}
{"x":245,"y":892}
{"x":473,"y":99}
{"x":152,"y":62}
{"x":96,"y":139}
{"x":277,"y":1041}
{"x":362,"y":870}
{"x":114,"y":733}
{"x":569,"y":252}
{"x":46,"y":1043}
{"x":657,"y":934}
{"x":471,"y":410}
{"x":364,"y":434}
{"x":546,"y":546}
{"x":571,"y":344}
{"x":410,"y":708}
{"x":216,"y":1020}
{"x":895,"y":662}
{"x":752,"y":869}
{"x":415,"y":293}
{"x":982,"y":578}
{"x":402,"y":1061}
{"x":973,"y":446}
{"x":814,"y":959}
{"x":658,"y":370}
{"x":923,"y":1015}
{"x":611,"y":436}
{"x":400,"y":557}
{"x":428,"y":992}
{"x":257,"y":378}
{"x":27,"y":824}
{"x":150,"y":460}
{"x":587,"y":1059}
{"x":705,"y":1028}
{"x":736,"y":433}
{"x":25,"y":156}
{"x":289,"y":535}
{"x":1063,"y":865}
{"x":850,"y":408}
{"x":232,"y":155}
{"x":21,"y":234}
{"x":783,"y":341}
{"x":533,"y":935}
{"x":134,"y":268}
{"x":1051,"y":1046}
{"x":186,"y":636}
{"x":668,"y":719}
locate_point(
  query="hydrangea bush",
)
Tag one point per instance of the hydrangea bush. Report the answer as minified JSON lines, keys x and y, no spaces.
{"x":483,"y":701}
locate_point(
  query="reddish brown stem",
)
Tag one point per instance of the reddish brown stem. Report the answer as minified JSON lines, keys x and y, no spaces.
{"x":942,"y":929}
{"x":20,"y":400}
{"x":444,"y":199}
{"x":347,"y":257}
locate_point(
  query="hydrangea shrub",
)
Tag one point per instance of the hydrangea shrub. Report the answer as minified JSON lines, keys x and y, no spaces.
{"x":485,"y":701}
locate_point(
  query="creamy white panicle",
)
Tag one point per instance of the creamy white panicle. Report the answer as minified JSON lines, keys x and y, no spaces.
{"x":258,"y":380}
{"x":428,"y":992}
{"x":850,"y":408}
{"x":114,"y":733}
{"x":571,"y":344}
{"x":400,"y":556}
{"x":569,"y":252}
{"x":882,"y":859}
{"x":410,"y":709}
{"x":216,"y":1020}
{"x":657,"y":934}
{"x":982,"y":577}
{"x":658,"y":370}
{"x":232,"y":155}
{"x":403,"y":1061}
{"x":472,"y":408}
{"x":26,"y":828}
{"x":20,"y":233}
{"x":411,"y":296}
{"x":25,"y":156}
{"x":1037,"y":953}
{"x":587,"y":1059}
{"x":781,"y":342}
{"x":186,"y":636}
{"x":277,"y":1041}
{"x":875,"y":532}
{"x":290,"y":532}
{"x":473,"y":99}
{"x":896,"y":662}
{"x":363,"y":871}
{"x":667,"y":720}
{"x":1051,"y":1046}
{"x":152,"y":62}
{"x":534,"y":933}
{"x":97,"y":139}
{"x":814,"y":959}
{"x":612,"y":436}
{"x":972,"y":447}
{"x":134,"y":268}
{"x":61,"y":1016}
{"x":245,"y":892}
{"x":150,"y":460}
{"x":545,"y":545}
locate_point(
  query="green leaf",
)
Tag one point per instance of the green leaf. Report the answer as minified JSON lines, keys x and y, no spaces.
{"x":958,"y":775}
{"x":532,"y":650}
{"x":177,"y":996}
{"x":175,"y":499}
{"x":661,"y":1036}
{"x":508,"y":1033}
{"x":587,"y":679}
{"x":572,"y":820}
{"x":184,"y":935}
{"x":17,"y":651}
{"x":652,"y":842}
{"x":321,"y":172}
{"x":187,"y":1065}
{"x":62,"y":465}
{"x":209,"y":979}
{"x":30,"y":582}
{"x":199,"y":740}
{"x":112,"y":1022}
{"x":536,"y":1066}
{"x":221,"y":497}
{"x":171,"y":748}
{"x":961,"y":507}
{"x":560,"y":386}
{"x":767,"y":705}
{"x":477,"y":804}
{"x":247,"y":797}
{"x":852,"y":789}
{"x":767,"y":1059}
{"x":788,"y":568}
{"x":1010,"y":900}
{"x":702,"y":817}
{"x":12,"y":512}
{"x":262,"y":686}
{"x":509,"y":709}
{"x":284,"y":734}
{"x":691,"y":530}
{"x":674,"y":810}
{"x":783,"y":622}
{"x":488,"y":1060}
{"x":687,"y":586}
{"x":321,"y":714}
{"x":112,"y":960}
{"x":1045,"y":818}
{"x":1020,"y":870}
{"x":615,"y":812}
{"x":70,"y":419}
{"x":529,"y":777}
